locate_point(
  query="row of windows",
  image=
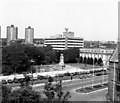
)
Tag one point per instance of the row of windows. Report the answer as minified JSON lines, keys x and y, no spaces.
{"x":69,"y":44}
{"x":75,"y":39}
{"x":63,"y":41}
{"x":55,"y":39}
{"x":101,"y":51}
{"x":58,"y":47}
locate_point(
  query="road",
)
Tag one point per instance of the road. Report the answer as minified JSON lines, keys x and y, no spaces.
{"x":72,"y":85}
{"x":75,"y":83}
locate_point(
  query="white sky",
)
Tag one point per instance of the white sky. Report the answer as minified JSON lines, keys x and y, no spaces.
{"x":90,"y":19}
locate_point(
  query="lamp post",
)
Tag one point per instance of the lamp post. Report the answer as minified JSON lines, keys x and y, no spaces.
{"x":114,"y":82}
{"x":93,"y":75}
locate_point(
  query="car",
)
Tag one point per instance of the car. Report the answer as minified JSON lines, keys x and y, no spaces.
{"x":61,"y":75}
{"x":40,"y":77}
{"x":4,"y":82}
{"x":15,"y":80}
{"x":10,"y":81}
{"x":98,"y":74}
{"x":67,"y":74}
{"x":81,"y":77}
{"x":89,"y":75}
{"x":45,"y":77}
{"x":21,"y":80}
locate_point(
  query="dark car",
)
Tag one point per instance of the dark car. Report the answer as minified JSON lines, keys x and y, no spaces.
{"x":67,"y":74}
{"x":4,"y":82}
{"x":15,"y":80}
{"x":40,"y":77}
{"x":10,"y":81}
{"x":98,"y":74}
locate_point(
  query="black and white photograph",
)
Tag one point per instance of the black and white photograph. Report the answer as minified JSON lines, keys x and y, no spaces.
{"x":59,"y":51}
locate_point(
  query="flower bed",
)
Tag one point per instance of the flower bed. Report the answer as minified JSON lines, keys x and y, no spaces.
{"x":90,"y":89}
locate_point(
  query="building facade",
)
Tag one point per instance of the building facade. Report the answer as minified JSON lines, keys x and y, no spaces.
{"x":97,"y":53}
{"x":12,"y":33}
{"x":29,"y":35}
{"x":114,"y":78}
{"x":65,"y":41}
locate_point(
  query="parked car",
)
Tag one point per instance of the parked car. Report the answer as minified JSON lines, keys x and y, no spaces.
{"x":89,"y":75}
{"x":61,"y":75}
{"x":67,"y":74}
{"x":15,"y":80}
{"x":10,"y":81}
{"x":98,"y":74}
{"x":4,"y":82}
{"x":40,"y":77}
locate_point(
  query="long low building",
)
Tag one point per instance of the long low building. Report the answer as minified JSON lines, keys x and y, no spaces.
{"x":97,"y":53}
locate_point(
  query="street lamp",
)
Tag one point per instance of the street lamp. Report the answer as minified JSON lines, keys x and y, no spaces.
{"x":93,"y":75}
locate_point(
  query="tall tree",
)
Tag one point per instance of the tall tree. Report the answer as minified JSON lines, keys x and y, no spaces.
{"x":15,"y":58}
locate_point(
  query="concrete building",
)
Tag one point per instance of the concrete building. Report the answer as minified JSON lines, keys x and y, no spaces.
{"x":12,"y":33}
{"x":65,"y":41}
{"x":114,"y":78}
{"x":29,"y":35}
{"x":97,"y":53}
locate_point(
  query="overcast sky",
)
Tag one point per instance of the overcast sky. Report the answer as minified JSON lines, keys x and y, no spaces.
{"x":90,"y":19}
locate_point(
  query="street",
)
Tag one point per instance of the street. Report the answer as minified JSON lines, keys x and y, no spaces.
{"x":74,"y":84}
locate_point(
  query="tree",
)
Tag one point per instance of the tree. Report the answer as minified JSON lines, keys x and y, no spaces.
{"x":85,"y":60}
{"x":53,"y":92}
{"x":100,"y":62}
{"x":91,"y":60}
{"x":15,"y":58}
{"x":35,"y":53}
{"x":5,"y":93}
{"x":81,"y":59}
{"x":95,"y":60}
{"x":24,"y":95}
{"x":71,"y":55}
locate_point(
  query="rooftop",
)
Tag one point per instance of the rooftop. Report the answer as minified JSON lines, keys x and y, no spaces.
{"x":114,"y":57}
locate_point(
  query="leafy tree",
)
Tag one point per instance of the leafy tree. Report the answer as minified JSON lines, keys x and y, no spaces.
{"x":91,"y":60}
{"x":5,"y":93}
{"x":15,"y":58}
{"x":24,"y":95}
{"x":71,"y":55}
{"x":53,"y":92}
{"x":95,"y":60}
{"x":35,"y":53}
{"x":85,"y":60}
{"x":100,"y":62}
{"x":81,"y":59}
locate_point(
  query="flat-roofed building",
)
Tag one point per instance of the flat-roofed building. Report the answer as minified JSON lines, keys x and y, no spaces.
{"x":65,"y":41}
{"x":97,"y":53}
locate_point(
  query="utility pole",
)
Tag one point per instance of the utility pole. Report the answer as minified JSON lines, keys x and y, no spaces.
{"x":114,"y":82}
{"x":93,"y":75}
